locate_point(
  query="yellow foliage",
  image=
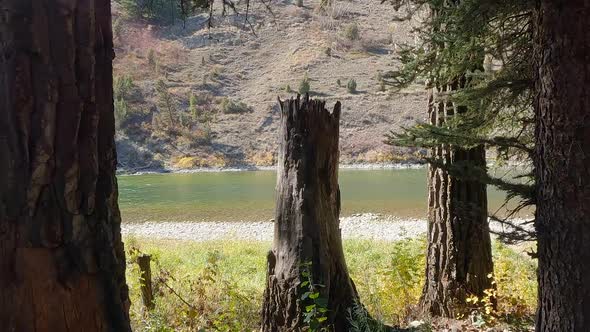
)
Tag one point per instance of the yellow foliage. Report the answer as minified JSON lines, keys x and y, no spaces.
{"x":262,"y":159}
{"x":188,"y":162}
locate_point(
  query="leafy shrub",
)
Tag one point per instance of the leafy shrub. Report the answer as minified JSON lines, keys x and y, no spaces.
{"x":315,"y":307}
{"x":304,"y":86}
{"x":351,"y":85}
{"x":229,"y":106}
{"x":351,"y":31}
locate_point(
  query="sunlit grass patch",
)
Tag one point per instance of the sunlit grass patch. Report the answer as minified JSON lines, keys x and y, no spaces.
{"x":222,"y":282}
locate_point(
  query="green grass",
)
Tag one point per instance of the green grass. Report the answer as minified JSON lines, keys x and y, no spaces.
{"x":223,"y":281}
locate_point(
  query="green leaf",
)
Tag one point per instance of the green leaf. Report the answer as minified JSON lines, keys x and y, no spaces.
{"x":310,"y":307}
{"x":321,"y":319}
{"x":305,"y":283}
{"x":314,"y":295}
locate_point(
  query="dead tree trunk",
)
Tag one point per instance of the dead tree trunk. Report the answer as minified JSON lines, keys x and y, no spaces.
{"x":459,"y":257}
{"x":562,"y":164}
{"x":62,"y":261}
{"x":307,"y":225}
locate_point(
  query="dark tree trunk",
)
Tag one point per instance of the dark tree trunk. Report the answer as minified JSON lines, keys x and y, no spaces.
{"x":307,"y":226}
{"x":61,"y":256}
{"x":459,"y":257}
{"x":562,"y":164}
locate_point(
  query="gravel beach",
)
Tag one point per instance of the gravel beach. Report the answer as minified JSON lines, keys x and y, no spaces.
{"x":358,"y":226}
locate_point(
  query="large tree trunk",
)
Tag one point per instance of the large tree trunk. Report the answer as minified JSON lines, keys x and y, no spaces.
{"x":459,"y":257}
{"x":562,"y":164}
{"x":307,"y":225}
{"x":62,"y":264}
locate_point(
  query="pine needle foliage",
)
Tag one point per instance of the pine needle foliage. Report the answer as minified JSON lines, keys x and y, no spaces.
{"x":488,"y":44}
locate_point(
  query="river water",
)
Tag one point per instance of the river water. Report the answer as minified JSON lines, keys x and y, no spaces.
{"x":249,"y":195}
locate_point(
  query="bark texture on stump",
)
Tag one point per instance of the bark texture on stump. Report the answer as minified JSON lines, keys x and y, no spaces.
{"x":307,"y":225}
{"x":62,"y":261}
{"x":562,"y":164}
{"x":459,"y":256}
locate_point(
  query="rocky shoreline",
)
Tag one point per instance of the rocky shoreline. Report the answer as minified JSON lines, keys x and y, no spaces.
{"x":245,"y":168}
{"x":369,"y":226}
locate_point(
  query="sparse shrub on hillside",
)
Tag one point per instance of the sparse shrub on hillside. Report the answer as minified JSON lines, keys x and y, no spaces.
{"x":351,"y":31}
{"x":381,"y":81}
{"x":382,"y":87}
{"x":122,"y":86}
{"x":203,"y":61}
{"x":351,"y":85}
{"x":152,"y":59}
{"x":304,"y":86}
{"x":121,"y":112}
{"x":117,"y":28}
{"x":288,"y":89}
{"x":166,"y":104}
{"x":338,"y":82}
{"x":215,"y":72}
{"x":192,"y":107}
{"x":299,"y":3}
{"x":229,"y":106}
{"x":328,"y":51}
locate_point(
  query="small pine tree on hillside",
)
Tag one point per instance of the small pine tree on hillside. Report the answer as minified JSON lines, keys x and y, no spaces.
{"x":351,"y":85}
{"x":304,"y":86}
{"x":192,"y":107}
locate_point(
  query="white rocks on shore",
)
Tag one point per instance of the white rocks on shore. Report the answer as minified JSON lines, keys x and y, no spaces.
{"x":358,"y":226}
{"x":363,"y":226}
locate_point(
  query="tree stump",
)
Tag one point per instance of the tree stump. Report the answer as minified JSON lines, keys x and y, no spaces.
{"x":145,"y":276}
{"x":307,"y":229}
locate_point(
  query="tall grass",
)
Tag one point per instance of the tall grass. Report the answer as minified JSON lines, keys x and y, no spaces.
{"x":218,"y":286}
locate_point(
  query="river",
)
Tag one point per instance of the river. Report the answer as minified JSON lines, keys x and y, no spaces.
{"x":249,"y":195}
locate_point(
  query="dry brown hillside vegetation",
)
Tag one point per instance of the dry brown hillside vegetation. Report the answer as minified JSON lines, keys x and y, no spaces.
{"x":188,"y":96}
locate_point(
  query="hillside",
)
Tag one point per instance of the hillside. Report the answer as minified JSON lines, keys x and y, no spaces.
{"x":235,"y":75}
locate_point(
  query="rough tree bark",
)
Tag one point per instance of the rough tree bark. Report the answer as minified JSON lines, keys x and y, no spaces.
{"x":562,"y":164}
{"x":62,"y":261}
{"x":307,"y":225}
{"x":459,"y":256}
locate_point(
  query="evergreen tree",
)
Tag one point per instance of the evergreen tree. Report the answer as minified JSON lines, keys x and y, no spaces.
{"x":459,"y":257}
{"x":562,"y":164}
{"x":489,"y":43}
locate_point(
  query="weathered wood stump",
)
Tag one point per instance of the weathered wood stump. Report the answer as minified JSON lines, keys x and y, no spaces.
{"x":307,"y":226}
{"x":145,"y":276}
